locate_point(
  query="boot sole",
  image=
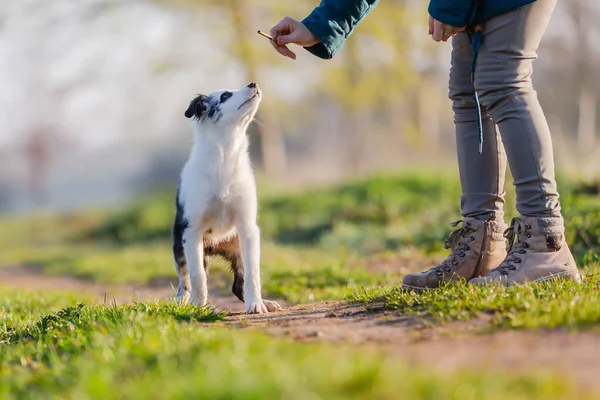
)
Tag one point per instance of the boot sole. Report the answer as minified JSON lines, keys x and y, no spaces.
{"x":414,"y":288}
{"x":420,"y":289}
{"x":565,"y":274}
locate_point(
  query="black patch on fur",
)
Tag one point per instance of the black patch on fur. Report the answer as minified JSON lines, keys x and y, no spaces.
{"x":197,"y":107}
{"x":204,"y":108}
{"x":225,"y":96}
{"x":238,"y":282}
{"x":179,"y":227}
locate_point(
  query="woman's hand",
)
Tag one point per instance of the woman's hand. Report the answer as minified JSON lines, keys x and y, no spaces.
{"x":288,"y":31}
{"x":440,"y":31}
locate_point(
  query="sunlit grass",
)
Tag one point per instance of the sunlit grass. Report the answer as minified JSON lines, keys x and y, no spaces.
{"x":317,"y":244}
{"x":159,"y":351}
{"x":548,"y":304}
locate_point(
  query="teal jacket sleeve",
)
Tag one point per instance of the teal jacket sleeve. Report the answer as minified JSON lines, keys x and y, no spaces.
{"x":333,"y":21}
{"x":456,"y":13}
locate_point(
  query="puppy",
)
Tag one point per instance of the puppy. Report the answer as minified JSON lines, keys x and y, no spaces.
{"x":216,"y":200}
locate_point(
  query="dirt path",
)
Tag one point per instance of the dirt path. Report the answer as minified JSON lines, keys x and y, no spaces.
{"x":32,"y":279}
{"x":442,"y":349}
{"x":447,"y":348}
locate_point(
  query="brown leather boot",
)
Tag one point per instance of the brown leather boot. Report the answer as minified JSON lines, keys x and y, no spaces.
{"x":540,"y":253}
{"x":476,"y":248}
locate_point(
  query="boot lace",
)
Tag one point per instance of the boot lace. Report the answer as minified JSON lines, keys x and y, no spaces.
{"x":458,"y":242}
{"x":519,"y":230}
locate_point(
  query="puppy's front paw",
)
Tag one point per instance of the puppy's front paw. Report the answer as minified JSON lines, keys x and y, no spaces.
{"x":256,"y":307}
{"x":199,"y":301}
{"x":272,"y":305}
{"x":183,"y":297}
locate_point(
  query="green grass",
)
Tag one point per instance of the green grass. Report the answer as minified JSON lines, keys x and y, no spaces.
{"x":23,"y":309}
{"x":369,"y":215}
{"x":350,"y":241}
{"x":161,"y":351}
{"x":551,"y":304}
{"x":318,"y":244}
{"x":296,"y":274}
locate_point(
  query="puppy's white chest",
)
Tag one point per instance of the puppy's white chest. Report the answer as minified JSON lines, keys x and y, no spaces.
{"x":218,"y":217}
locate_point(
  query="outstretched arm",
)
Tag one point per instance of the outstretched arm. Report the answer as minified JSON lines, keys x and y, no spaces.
{"x":325,"y":30}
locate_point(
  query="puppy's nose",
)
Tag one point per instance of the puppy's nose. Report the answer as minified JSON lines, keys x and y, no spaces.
{"x":252,"y":85}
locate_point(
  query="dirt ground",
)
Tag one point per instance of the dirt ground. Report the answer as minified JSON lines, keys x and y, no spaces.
{"x":447,"y":348}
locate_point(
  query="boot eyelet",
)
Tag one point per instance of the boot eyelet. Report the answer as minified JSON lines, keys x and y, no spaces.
{"x":518,"y":260}
{"x":467,"y":248}
{"x":472,"y":238}
{"x":448,"y":269}
{"x":504,"y":273}
{"x":512,"y":267}
{"x":462,"y":255}
{"x":529,"y":235}
{"x":439,"y":273}
{"x":528,"y":226}
{"x":522,"y":252}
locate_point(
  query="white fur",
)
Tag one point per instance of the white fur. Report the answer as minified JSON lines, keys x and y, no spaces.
{"x":218,"y":193}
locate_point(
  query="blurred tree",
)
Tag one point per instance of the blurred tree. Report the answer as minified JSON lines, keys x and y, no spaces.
{"x":271,"y":139}
{"x":583,"y":13}
{"x":376,"y":94}
{"x":38,"y":157}
{"x":376,"y":73}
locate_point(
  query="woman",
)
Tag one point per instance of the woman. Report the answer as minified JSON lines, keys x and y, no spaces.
{"x":494,"y":45}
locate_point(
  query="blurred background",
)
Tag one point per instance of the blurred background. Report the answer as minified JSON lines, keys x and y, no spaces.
{"x":92,"y":95}
{"x":357,"y":183}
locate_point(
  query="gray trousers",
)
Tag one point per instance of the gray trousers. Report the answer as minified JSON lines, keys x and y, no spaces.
{"x":509,"y":103}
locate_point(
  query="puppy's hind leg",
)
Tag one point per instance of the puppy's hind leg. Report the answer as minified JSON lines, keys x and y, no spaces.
{"x":183,"y":292}
{"x":230,"y":251}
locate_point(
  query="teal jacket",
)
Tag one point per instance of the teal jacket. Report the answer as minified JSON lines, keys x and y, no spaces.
{"x":334,"y":20}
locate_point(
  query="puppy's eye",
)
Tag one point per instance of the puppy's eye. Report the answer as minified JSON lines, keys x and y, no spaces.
{"x":225,"y":96}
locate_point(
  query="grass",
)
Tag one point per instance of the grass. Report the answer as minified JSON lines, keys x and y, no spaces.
{"x":354,"y":241}
{"x":296,"y":274}
{"x":320,"y":244}
{"x":369,"y":215}
{"x":164,"y":351}
{"x":545,"y":305}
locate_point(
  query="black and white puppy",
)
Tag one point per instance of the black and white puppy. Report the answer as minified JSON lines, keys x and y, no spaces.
{"x":217,"y":202}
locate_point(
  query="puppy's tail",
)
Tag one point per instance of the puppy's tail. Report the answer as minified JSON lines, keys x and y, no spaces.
{"x":179,"y":226}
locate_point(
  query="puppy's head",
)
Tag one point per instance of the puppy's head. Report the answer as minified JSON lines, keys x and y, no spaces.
{"x":226,"y":107}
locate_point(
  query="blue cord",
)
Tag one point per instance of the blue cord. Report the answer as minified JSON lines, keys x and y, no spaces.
{"x":476,"y":44}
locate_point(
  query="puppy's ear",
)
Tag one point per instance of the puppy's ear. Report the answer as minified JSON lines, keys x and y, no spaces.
{"x":196,"y":108}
